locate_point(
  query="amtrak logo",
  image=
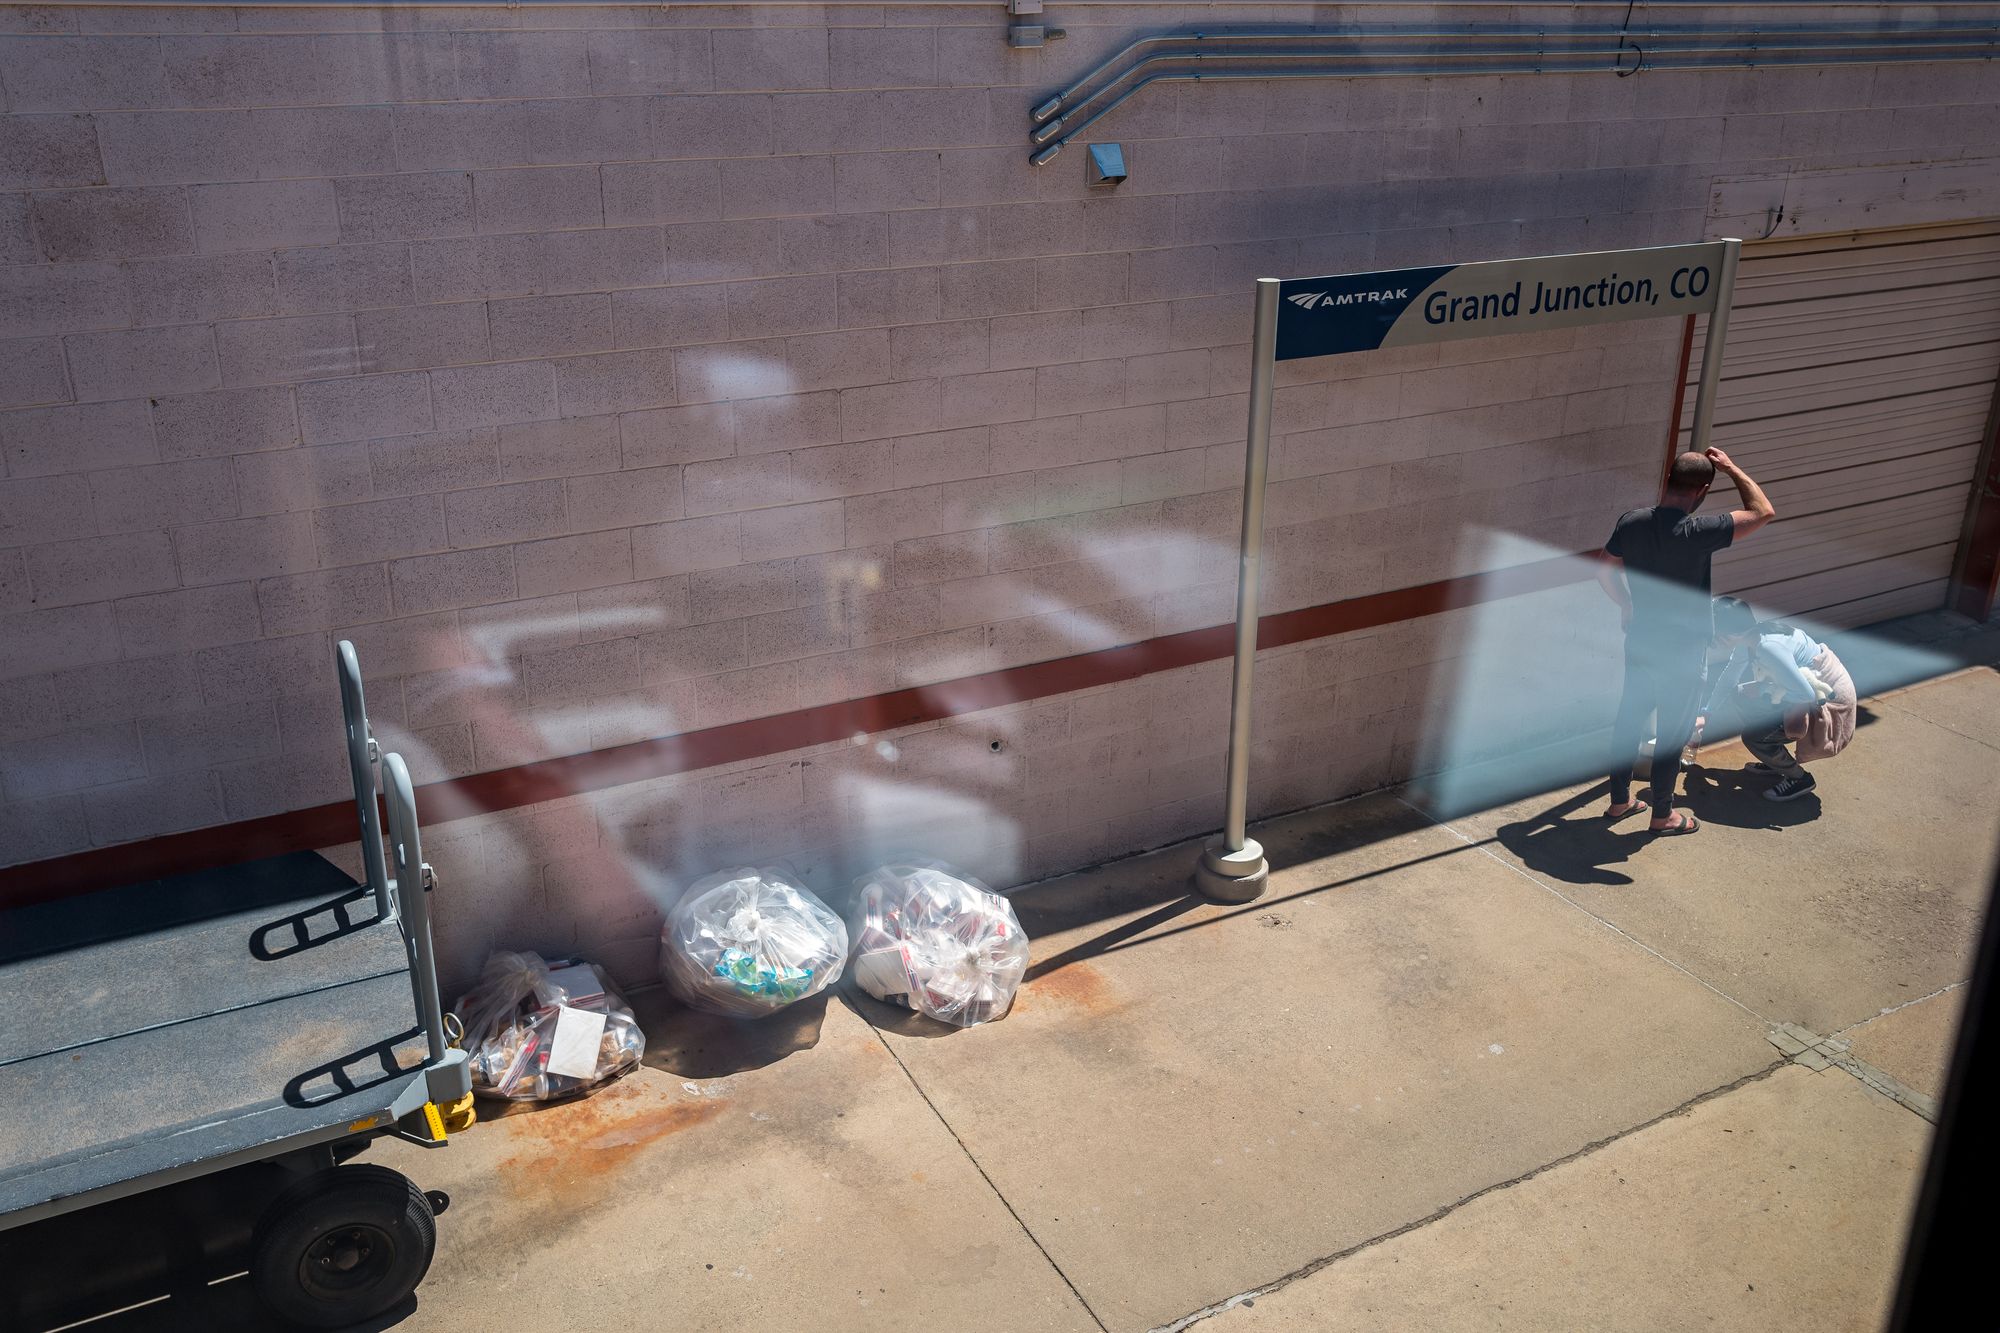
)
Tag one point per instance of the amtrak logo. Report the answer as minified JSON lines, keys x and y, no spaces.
{"x":1346,"y":312}
{"x":1307,"y":300}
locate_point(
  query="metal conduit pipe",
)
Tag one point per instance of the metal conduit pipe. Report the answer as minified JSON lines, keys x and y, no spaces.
{"x":1528,"y":38}
{"x":1047,"y":153}
{"x":1553,"y":60}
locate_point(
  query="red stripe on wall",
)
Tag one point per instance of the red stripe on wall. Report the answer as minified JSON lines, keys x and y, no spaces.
{"x":549,"y":779}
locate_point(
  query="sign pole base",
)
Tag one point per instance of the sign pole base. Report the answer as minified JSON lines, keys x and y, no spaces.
{"x":1225,"y":876}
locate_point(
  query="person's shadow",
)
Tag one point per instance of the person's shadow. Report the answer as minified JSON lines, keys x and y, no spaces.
{"x":1572,"y":840}
{"x":1735,"y":797}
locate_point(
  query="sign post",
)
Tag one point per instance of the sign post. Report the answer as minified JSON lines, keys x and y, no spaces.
{"x":1361,"y":312}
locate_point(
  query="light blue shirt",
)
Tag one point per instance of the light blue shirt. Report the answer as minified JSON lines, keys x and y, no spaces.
{"x":1780,"y":657}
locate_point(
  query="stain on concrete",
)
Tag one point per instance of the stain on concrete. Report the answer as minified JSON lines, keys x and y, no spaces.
{"x":598,"y":1136}
{"x":1077,"y":986}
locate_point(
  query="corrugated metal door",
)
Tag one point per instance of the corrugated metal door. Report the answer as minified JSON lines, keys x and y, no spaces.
{"x":1856,"y":389}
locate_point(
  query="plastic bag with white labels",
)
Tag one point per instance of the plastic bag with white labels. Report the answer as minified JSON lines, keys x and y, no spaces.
{"x":538,"y":1030}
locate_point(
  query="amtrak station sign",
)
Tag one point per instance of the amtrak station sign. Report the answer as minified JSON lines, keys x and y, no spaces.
{"x":1407,"y":307}
{"x":1359,"y":312}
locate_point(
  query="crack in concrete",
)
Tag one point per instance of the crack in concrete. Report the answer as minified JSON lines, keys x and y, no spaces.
{"x":1898,"y":1008}
{"x":1307,"y":1270}
{"x":990,"y":1184}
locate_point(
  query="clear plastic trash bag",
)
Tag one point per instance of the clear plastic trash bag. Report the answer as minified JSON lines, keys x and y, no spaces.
{"x":937,"y":942}
{"x":744,"y":943}
{"x":513,"y":1016}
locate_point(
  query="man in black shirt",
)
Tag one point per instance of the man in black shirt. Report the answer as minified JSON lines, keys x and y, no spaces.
{"x":1656,"y":568}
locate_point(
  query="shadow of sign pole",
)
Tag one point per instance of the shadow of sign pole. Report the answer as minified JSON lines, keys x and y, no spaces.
{"x":1298,"y":318}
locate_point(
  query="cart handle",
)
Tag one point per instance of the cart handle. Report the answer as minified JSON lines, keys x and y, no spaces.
{"x":413,"y":892}
{"x":362,"y":753}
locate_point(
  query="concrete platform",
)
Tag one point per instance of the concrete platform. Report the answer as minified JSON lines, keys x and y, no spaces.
{"x":820,"y":1192}
{"x":1779,"y":1207}
{"x":1230,"y":1093}
{"x":1960,"y":703}
{"x":1822,"y":911}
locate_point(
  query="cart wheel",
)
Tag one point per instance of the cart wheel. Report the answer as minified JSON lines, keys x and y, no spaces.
{"x":343,"y":1245}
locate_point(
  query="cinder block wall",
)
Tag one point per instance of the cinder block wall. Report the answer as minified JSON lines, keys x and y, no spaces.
{"x":611,"y":372}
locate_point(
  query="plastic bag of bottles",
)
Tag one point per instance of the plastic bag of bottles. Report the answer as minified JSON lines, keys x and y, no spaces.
{"x":745,"y":943}
{"x":514,"y":1028}
{"x":937,"y":942}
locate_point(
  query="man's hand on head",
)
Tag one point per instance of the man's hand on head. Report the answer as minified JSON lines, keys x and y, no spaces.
{"x":1743,"y":522}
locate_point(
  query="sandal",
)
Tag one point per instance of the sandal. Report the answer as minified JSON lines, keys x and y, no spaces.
{"x":1619,"y":812}
{"x":1684,"y":823}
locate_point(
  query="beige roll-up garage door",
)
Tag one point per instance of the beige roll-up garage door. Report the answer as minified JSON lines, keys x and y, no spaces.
{"x":1856,"y":388}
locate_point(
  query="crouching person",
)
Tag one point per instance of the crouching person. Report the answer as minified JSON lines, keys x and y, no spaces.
{"x":1795,"y":698}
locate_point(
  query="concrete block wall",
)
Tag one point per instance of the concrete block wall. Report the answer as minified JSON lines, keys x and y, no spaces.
{"x":1020,"y":793}
{"x":610,"y":372}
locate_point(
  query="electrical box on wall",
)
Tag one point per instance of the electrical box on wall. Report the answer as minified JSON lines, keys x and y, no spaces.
{"x":1033,"y":34}
{"x":1107,"y":164}
{"x":1029,"y":34}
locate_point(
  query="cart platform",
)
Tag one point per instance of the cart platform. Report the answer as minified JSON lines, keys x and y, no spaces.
{"x":188,"y":1024}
